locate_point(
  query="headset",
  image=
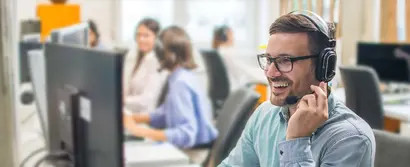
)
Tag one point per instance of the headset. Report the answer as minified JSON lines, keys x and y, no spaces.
{"x":221,"y":33}
{"x":166,"y":61}
{"x":326,"y":62}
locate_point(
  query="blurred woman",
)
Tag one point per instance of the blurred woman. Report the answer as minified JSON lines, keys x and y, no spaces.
{"x":185,"y":117}
{"x":94,"y":35}
{"x":223,"y":37}
{"x":239,"y":72}
{"x":143,"y":81}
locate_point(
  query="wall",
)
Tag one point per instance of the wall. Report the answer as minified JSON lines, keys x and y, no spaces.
{"x":359,"y":23}
{"x":103,"y":12}
{"x":8,"y":144}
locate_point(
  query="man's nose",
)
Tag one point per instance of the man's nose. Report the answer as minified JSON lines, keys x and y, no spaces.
{"x":273,"y":71}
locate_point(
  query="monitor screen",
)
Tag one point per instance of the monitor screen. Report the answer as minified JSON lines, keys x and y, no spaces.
{"x":73,"y":35}
{"x":29,"y":27}
{"x":35,"y":37}
{"x":94,"y":78}
{"x":390,"y":61}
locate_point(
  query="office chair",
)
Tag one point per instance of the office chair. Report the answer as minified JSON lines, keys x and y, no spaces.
{"x":391,"y":149}
{"x":363,"y":94}
{"x":230,"y":123}
{"x":219,"y":87}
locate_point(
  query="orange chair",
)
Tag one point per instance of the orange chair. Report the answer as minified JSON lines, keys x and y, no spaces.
{"x":262,"y":89}
{"x":53,"y":16}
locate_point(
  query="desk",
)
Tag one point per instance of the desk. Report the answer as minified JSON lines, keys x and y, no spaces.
{"x":152,"y":154}
{"x":397,"y":111}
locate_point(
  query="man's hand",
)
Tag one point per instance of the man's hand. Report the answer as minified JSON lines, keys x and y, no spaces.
{"x":311,"y":113}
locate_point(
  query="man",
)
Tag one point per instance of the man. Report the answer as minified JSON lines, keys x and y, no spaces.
{"x":303,"y":124}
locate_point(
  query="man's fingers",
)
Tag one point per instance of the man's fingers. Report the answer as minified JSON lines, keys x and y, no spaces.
{"x":321,"y":95}
{"x":303,"y":103}
{"x":311,"y":101}
{"x":323,"y":86}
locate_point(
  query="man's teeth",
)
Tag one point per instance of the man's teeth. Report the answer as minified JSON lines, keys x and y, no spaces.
{"x":280,"y":84}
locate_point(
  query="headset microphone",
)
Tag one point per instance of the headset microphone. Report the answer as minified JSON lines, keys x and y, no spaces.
{"x":290,"y":100}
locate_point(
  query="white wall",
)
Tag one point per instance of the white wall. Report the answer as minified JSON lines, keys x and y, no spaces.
{"x":103,"y":12}
{"x":106,"y":14}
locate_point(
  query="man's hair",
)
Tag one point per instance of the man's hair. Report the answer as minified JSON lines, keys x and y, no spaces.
{"x":176,"y":40}
{"x":293,"y":23}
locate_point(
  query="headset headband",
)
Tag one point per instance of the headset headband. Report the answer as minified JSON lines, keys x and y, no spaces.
{"x":318,"y":22}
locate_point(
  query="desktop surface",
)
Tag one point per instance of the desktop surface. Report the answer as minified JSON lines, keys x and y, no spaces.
{"x":395,"y":105}
{"x":153,"y":154}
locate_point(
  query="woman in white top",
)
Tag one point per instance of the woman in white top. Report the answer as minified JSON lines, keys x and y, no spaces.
{"x":143,"y":79}
{"x":94,"y":40}
{"x":239,"y":72}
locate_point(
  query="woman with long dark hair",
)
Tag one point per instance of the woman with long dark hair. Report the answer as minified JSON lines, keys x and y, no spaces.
{"x":142,"y":78}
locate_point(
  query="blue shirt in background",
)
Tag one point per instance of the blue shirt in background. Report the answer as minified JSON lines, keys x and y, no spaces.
{"x":186,"y":112}
{"x":343,"y":140}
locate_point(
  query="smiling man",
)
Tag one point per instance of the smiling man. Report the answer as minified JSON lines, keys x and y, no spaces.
{"x":303,"y":124}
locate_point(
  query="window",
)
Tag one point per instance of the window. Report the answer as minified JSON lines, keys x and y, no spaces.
{"x":198,"y":17}
{"x":205,"y":15}
{"x":132,"y":11}
{"x":401,"y":20}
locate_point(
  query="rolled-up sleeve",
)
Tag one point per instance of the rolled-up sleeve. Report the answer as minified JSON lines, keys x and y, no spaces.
{"x":157,"y":118}
{"x":183,"y":135}
{"x":351,"y":150}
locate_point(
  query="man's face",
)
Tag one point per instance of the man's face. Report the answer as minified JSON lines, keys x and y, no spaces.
{"x":296,"y":82}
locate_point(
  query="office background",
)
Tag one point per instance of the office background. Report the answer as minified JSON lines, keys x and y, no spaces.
{"x":365,"y":20}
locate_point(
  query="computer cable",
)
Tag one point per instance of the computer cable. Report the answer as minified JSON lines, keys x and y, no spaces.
{"x":31,"y":155}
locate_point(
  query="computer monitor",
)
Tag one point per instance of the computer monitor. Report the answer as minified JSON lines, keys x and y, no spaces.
{"x":29,"y":26}
{"x":38,"y":79}
{"x":72,"y":35}
{"x":24,"y":48}
{"x":35,"y":37}
{"x":84,"y":87}
{"x":387,"y":60}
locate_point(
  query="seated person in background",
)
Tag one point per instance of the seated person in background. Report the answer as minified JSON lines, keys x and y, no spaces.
{"x":94,"y":35}
{"x":142,"y":80}
{"x":239,"y":72}
{"x":298,"y":127}
{"x":184,"y":118}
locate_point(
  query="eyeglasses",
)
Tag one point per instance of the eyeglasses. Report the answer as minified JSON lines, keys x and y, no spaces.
{"x":283,"y":63}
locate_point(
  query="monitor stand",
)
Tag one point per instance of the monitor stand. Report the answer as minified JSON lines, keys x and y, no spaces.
{"x":70,"y":142}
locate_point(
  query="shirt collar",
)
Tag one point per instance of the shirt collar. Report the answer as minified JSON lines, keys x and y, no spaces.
{"x":175,"y":74}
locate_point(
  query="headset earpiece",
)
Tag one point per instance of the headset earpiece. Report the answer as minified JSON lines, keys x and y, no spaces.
{"x":326,"y":65}
{"x":326,"y":61}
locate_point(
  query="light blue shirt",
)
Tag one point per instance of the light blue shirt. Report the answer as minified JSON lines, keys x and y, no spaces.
{"x":343,"y":140}
{"x":186,"y":112}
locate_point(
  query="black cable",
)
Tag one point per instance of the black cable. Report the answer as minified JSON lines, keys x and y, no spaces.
{"x":32,"y":154}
